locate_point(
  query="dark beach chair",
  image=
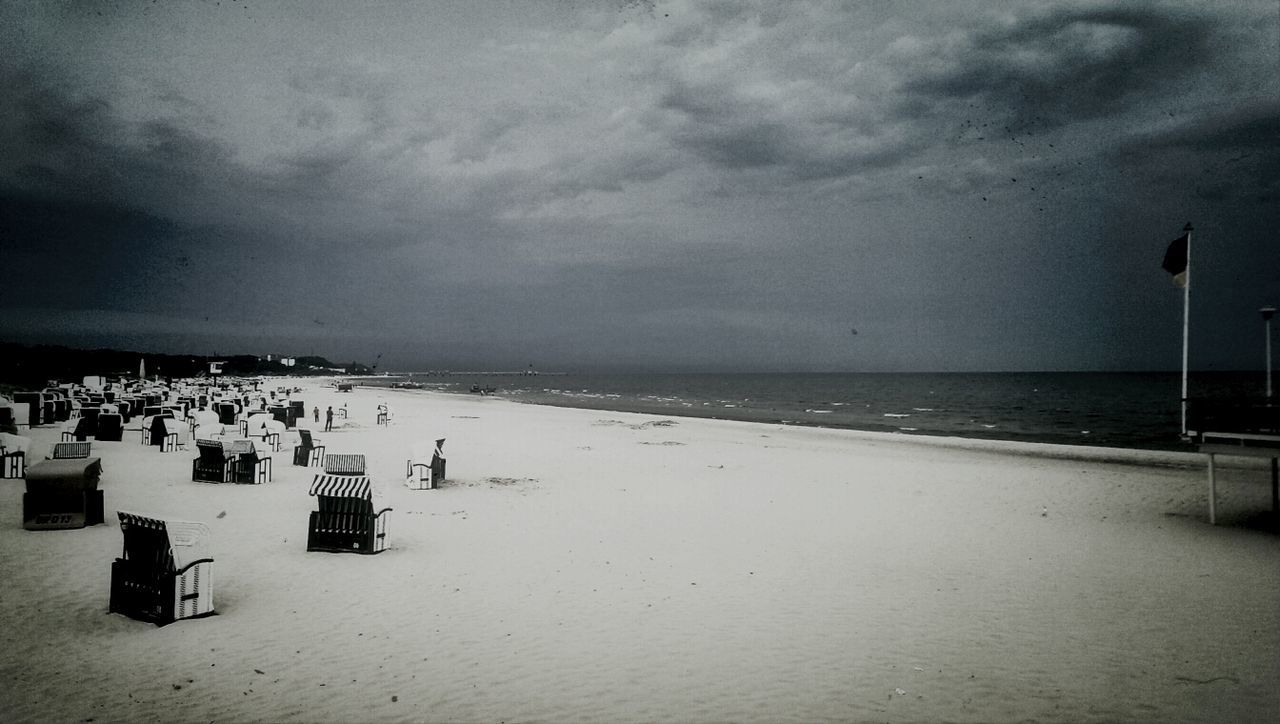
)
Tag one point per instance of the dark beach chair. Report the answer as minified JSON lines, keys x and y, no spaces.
{"x":280,"y":413}
{"x":161,"y":577}
{"x":345,"y":521}
{"x":309,"y":453}
{"x":63,"y":493}
{"x":297,"y":411}
{"x":61,"y":409}
{"x":226,"y":413}
{"x":86,"y":426}
{"x":252,"y":467}
{"x":110,"y":427}
{"x":425,"y":471}
{"x":213,"y":465}
{"x":8,"y":422}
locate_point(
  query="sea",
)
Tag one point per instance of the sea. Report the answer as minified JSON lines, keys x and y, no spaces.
{"x":1139,"y":410}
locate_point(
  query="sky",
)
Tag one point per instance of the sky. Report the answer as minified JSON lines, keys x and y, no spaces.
{"x":629,"y":185}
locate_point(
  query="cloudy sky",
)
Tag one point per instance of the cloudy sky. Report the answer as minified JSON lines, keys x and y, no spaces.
{"x":608,"y":184}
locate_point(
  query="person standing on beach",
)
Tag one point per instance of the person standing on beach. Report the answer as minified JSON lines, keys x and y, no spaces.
{"x":328,"y":419}
{"x":317,"y":413}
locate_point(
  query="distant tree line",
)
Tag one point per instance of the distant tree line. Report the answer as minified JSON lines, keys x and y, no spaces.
{"x":29,"y":366}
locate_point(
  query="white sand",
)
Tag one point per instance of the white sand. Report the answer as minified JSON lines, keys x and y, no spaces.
{"x":596,"y":566}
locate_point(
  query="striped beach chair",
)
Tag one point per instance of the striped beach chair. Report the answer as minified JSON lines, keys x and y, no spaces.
{"x":346,"y":520}
{"x":344,"y":464}
{"x":71,"y":450}
{"x":163,"y":574}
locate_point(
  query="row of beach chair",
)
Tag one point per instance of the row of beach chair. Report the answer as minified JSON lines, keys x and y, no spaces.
{"x":161,"y":576}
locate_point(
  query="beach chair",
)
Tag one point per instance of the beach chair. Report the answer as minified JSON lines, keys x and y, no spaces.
{"x":80,"y":429}
{"x":61,"y":409}
{"x":226,"y":413}
{"x":35,"y":406}
{"x":70,"y":450}
{"x":271,"y":431}
{"x":384,"y":415}
{"x":425,"y":471}
{"x":166,"y":433}
{"x":309,"y":453}
{"x":110,"y":427}
{"x":280,"y":413}
{"x":250,"y":466}
{"x":297,"y":411}
{"x":162,"y":575}
{"x":346,"y":520}
{"x":13,"y":455}
{"x":63,"y":493}
{"x":8,"y":418}
{"x":213,"y":465}
{"x":344,"y":464}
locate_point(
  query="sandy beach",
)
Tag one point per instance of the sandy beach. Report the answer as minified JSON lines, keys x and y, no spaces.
{"x":595,"y":566}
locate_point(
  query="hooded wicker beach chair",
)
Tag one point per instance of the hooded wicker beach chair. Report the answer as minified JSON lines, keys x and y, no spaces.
{"x":81,"y":429}
{"x":309,"y":452}
{"x":110,"y":427}
{"x":213,"y":465}
{"x":347,"y":519}
{"x":250,"y":465}
{"x":425,"y":470}
{"x":166,"y":433}
{"x":35,"y":407}
{"x":254,"y":425}
{"x":13,"y":455}
{"x":63,"y":492}
{"x":226,"y":412}
{"x":162,"y":575}
{"x":271,"y":432}
{"x":280,"y":413}
{"x":8,"y":418}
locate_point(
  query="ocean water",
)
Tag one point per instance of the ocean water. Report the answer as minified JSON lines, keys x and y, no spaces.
{"x":1130,"y":410}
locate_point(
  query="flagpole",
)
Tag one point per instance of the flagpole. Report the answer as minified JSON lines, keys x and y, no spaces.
{"x":1186,"y":327}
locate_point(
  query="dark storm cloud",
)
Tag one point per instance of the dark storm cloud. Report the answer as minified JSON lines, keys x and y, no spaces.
{"x":784,"y":133}
{"x":1066,"y":63}
{"x":1232,"y":155}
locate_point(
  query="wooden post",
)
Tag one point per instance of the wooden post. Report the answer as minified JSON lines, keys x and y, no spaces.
{"x":1275,"y":485}
{"x":1213,"y":494}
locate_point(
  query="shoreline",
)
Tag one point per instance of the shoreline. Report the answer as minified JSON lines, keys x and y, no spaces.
{"x":1063,"y":449}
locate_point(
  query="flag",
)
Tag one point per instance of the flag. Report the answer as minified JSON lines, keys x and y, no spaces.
{"x":1175,"y":260}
